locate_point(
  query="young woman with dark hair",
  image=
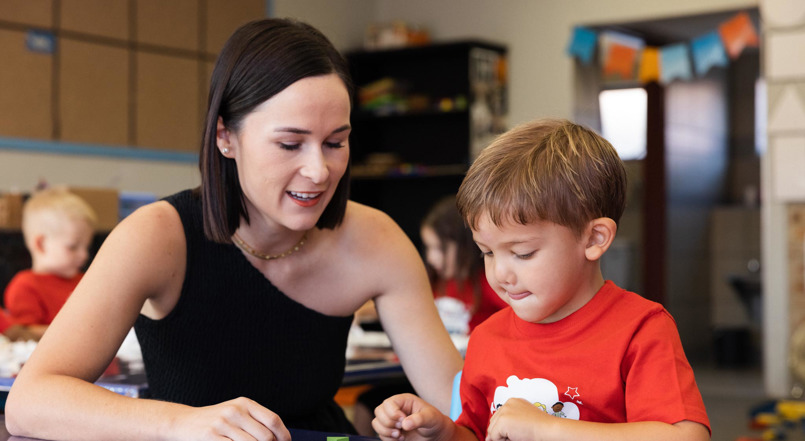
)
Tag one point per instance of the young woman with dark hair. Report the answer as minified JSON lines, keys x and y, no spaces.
{"x":242,"y":291}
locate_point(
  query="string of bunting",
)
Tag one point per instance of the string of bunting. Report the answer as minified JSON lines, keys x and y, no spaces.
{"x":624,"y":57}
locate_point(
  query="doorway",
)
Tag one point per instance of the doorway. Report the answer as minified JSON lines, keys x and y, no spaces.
{"x":690,"y":236}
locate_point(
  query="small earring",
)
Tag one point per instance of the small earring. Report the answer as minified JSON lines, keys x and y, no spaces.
{"x":225,"y":150}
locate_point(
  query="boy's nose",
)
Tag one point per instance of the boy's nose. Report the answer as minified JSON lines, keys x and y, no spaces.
{"x":503,"y":273}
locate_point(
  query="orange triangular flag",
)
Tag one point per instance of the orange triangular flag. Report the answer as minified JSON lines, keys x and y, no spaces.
{"x":738,"y":33}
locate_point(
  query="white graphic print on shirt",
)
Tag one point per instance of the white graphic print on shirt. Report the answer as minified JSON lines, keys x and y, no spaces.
{"x":541,"y":393}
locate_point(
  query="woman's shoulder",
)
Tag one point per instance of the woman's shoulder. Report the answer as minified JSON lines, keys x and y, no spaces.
{"x":367,"y":222}
{"x":369,"y":232}
{"x":156,"y":223}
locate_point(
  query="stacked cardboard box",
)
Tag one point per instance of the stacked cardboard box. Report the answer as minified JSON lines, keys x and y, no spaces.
{"x":104,"y":201}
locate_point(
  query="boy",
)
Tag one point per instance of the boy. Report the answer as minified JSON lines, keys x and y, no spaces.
{"x":57,"y":227}
{"x":543,"y":202}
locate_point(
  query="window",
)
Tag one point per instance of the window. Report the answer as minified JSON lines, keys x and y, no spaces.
{"x":623,"y":121}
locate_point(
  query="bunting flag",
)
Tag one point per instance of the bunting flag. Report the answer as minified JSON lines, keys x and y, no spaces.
{"x":674,"y":63}
{"x":708,"y":51}
{"x":624,"y":57}
{"x":649,"y":65}
{"x":582,"y":45}
{"x":621,"y":54}
{"x":738,"y":33}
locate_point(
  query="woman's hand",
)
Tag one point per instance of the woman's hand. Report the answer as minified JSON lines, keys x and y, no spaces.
{"x":238,"y":419}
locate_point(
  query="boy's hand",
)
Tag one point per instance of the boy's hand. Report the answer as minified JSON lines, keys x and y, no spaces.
{"x":408,"y":417}
{"x":517,"y":420}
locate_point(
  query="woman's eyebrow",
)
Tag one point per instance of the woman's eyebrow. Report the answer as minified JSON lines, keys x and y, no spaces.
{"x":308,"y":132}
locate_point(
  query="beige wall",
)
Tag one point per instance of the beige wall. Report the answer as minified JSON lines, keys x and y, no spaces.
{"x":342,"y":21}
{"x":537,"y":33}
{"x":783,"y":229}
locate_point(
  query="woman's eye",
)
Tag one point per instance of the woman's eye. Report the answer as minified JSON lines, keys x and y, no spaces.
{"x":286,"y":146}
{"x":334,"y":145}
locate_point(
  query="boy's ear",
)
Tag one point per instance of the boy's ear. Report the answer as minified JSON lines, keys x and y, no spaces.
{"x":600,"y":234}
{"x":38,"y":243}
{"x":222,"y":138}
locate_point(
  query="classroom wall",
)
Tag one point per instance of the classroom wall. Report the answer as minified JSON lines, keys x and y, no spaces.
{"x":537,"y":33}
{"x":108,"y":92}
{"x":342,"y":21}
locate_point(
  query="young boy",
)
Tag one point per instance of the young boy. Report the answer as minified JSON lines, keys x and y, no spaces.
{"x":575,"y":357}
{"x":57,"y":226}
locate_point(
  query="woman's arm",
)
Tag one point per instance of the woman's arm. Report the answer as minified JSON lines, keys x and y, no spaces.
{"x":140,"y":259}
{"x":408,"y":314}
{"x":140,"y":266}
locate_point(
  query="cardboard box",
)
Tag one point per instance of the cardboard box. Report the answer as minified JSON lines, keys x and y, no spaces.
{"x":105,"y":202}
{"x":11,"y":211}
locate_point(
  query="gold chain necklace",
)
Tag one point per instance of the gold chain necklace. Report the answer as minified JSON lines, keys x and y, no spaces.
{"x":245,"y":247}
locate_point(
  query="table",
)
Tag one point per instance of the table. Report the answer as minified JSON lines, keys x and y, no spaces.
{"x":363,"y":369}
{"x":296,"y":435}
{"x":371,"y":366}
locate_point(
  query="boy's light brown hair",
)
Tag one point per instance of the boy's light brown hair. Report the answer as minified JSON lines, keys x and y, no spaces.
{"x":46,"y":210}
{"x":548,"y":169}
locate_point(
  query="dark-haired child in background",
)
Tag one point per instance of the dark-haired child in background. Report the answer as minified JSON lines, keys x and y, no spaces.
{"x":455,"y":266}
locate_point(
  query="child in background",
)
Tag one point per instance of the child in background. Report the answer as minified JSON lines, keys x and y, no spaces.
{"x":57,"y":227}
{"x":455,"y":268}
{"x":575,"y":354}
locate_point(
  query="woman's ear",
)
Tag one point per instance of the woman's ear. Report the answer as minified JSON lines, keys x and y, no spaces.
{"x":600,"y":234}
{"x":222,"y":138}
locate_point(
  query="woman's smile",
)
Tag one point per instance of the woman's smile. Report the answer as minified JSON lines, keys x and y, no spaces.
{"x":305,"y":199}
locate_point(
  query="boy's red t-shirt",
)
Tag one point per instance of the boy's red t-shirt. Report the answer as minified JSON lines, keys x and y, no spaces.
{"x":35,"y":299}
{"x":617,"y":359}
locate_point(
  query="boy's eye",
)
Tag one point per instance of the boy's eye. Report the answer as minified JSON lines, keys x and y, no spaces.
{"x":524,"y":256}
{"x":486,"y":254}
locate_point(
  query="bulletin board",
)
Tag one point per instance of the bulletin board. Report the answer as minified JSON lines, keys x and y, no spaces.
{"x":131,"y":73}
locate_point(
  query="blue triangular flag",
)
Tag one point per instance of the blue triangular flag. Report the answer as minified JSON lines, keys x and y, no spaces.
{"x":582,"y":44}
{"x":674,"y":63}
{"x":708,"y":51}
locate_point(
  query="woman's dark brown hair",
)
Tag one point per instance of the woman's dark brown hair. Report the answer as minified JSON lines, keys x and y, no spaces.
{"x":259,"y":60}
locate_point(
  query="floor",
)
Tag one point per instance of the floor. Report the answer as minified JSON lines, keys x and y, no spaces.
{"x":729,"y":396}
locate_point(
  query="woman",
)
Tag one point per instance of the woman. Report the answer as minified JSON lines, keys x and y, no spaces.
{"x":242,"y":291}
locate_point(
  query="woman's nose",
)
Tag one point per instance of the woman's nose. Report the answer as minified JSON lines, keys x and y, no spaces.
{"x":315,"y":167}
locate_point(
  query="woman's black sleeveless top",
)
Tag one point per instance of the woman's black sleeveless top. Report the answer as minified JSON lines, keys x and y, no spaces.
{"x":232,"y":333}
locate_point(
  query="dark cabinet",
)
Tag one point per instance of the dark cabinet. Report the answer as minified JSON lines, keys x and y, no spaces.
{"x":420,"y":116}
